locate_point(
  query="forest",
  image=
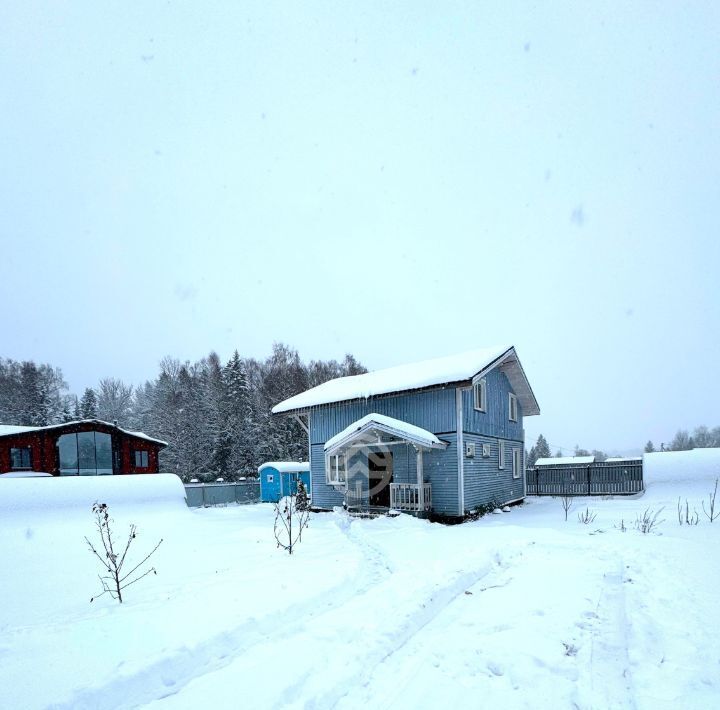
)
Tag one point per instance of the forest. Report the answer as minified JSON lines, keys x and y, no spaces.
{"x":215,"y":417}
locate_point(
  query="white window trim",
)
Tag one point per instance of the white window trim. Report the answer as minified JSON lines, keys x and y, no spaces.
{"x":512,"y":404}
{"x":517,"y":462}
{"x":480,"y":387}
{"x":501,"y":455}
{"x":333,"y":470}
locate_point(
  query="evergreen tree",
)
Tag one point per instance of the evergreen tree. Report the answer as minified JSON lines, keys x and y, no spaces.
{"x":88,"y":404}
{"x":649,"y":448}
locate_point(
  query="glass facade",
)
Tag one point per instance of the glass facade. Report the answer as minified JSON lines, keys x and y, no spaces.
{"x":20,"y":458}
{"x":87,"y":453}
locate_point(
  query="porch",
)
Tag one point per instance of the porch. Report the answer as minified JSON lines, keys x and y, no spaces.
{"x":378,"y":465}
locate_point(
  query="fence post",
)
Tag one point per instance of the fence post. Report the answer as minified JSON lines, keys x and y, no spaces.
{"x":588,"y":480}
{"x":537,"y":481}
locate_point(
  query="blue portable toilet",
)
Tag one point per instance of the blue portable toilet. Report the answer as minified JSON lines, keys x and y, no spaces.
{"x":280,"y":478}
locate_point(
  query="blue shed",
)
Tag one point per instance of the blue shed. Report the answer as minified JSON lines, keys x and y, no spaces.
{"x":437,"y":437}
{"x":280,"y":478}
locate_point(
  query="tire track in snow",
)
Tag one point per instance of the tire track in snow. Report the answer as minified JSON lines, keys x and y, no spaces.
{"x":169,"y":674}
{"x":610,"y":677}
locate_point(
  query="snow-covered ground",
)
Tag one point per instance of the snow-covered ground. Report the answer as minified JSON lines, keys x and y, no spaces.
{"x":518,"y":610}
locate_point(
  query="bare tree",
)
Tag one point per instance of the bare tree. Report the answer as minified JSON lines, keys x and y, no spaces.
{"x":115,"y":400}
{"x":290,"y":521}
{"x":115,"y":579}
{"x":566,"y":501}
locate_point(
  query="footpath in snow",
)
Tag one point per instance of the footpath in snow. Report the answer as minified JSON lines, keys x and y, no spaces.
{"x":519,"y":610}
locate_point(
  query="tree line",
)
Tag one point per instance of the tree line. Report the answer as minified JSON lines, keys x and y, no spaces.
{"x":702,"y":438}
{"x":215,"y":417}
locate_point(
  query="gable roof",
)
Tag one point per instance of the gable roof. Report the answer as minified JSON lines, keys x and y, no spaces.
{"x":10,"y":430}
{"x":421,"y":375}
{"x":380,"y":423}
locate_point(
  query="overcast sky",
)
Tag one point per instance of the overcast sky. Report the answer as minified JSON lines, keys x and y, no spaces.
{"x":396,"y":180}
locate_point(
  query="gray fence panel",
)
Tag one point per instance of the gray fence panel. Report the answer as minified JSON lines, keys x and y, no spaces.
{"x":205,"y":494}
{"x":602,"y":478}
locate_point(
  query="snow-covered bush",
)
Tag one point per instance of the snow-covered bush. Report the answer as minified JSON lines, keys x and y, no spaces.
{"x":115,"y":578}
{"x":302,"y":501}
{"x":483,"y":509}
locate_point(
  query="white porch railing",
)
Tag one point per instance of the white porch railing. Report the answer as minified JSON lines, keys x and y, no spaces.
{"x":406,"y":496}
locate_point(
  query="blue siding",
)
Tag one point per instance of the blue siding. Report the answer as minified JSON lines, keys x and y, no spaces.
{"x":494,"y":421}
{"x":433,"y":410}
{"x":281,"y":483}
{"x":484,"y":480}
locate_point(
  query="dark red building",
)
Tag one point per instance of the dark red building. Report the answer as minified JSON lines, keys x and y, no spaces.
{"x":83,"y":448}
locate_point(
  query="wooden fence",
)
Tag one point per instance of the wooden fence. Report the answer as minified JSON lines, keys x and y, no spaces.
{"x":595,"y":479}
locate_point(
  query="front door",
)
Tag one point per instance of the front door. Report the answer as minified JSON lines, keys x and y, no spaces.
{"x":380,"y":476}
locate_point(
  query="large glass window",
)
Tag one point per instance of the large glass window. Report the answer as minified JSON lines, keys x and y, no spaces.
{"x":87,"y":453}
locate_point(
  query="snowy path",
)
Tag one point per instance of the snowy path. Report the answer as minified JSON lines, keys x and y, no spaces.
{"x":522,"y":610}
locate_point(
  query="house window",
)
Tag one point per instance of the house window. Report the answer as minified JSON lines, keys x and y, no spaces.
{"x":141,"y":459}
{"x":501,"y":454}
{"x":517,"y":463}
{"x":20,"y":458}
{"x":513,"y":408}
{"x":480,"y":395}
{"x":87,"y":453}
{"x":336,"y":471}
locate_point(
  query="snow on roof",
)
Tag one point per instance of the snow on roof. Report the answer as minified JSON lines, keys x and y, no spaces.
{"x":429,"y":373}
{"x":286,"y":466}
{"x":8,"y":430}
{"x":26,"y":474}
{"x":577,"y":460}
{"x":389,"y":425}
{"x":617,"y":459}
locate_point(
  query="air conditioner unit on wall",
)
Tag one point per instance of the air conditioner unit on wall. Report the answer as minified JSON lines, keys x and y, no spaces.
{"x":486,"y":451}
{"x":470,"y":450}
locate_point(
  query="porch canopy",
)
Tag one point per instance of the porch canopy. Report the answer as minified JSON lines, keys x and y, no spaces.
{"x":380,"y":431}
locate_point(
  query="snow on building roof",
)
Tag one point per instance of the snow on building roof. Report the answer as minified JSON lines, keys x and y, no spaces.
{"x":8,"y":430}
{"x":558,"y":460}
{"x":286,"y":466}
{"x":389,"y":425}
{"x":429,"y":373}
{"x":618,"y":459}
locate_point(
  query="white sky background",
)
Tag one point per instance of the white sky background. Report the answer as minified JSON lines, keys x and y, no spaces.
{"x":395,"y":180}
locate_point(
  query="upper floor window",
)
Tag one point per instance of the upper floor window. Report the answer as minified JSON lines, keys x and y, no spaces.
{"x":141,"y":459}
{"x":501,"y":454}
{"x":20,"y":458}
{"x":513,"y":408}
{"x":480,"y":395}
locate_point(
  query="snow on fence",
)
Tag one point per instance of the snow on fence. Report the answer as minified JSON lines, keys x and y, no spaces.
{"x":201,"y":495}
{"x":595,"y":479}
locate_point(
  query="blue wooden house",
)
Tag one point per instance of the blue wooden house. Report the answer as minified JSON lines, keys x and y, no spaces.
{"x":441,"y":436}
{"x":280,"y":478}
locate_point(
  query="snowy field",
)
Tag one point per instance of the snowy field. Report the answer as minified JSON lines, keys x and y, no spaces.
{"x":518,"y":610}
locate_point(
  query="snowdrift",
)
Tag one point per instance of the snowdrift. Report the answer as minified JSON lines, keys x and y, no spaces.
{"x":671,"y":467}
{"x":66,"y":494}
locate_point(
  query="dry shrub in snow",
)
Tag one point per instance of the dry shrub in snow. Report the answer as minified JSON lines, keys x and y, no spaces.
{"x":711,"y":513}
{"x":116,"y":578}
{"x":648,"y":521}
{"x":587,"y":516}
{"x":290,"y":521}
{"x":684,"y":516}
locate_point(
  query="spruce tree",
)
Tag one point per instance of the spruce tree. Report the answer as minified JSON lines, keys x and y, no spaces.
{"x":649,"y":448}
{"x":88,"y":404}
